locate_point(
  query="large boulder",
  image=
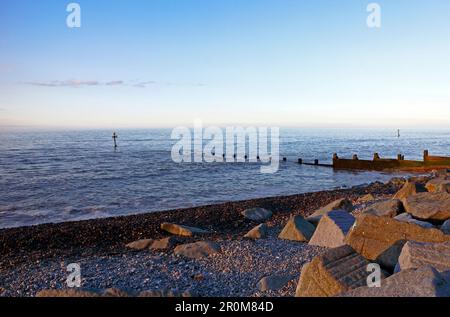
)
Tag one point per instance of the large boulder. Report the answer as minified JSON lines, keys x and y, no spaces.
{"x":259,"y":232}
{"x":371,"y":236}
{"x":336,"y":271}
{"x":409,"y":189}
{"x":340,"y":204}
{"x":385,"y":208}
{"x":257,"y":214}
{"x":197,"y":250}
{"x":332,"y":229}
{"x":417,"y":254}
{"x":273,"y":282}
{"x":297,"y":229}
{"x":423,"y":282}
{"x":440,"y":184}
{"x":182,"y":230}
{"x":428,"y":206}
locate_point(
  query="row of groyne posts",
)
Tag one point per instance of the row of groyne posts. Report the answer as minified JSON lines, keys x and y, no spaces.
{"x":377,"y":163}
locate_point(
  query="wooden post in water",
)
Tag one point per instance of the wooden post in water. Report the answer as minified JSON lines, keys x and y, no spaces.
{"x":115,"y":136}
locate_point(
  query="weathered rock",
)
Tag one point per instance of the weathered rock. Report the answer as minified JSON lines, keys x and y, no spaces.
{"x":428,"y":206}
{"x":336,"y":271}
{"x":340,"y":204}
{"x":409,"y":189}
{"x":181,"y":230}
{"x":257,"y":214}
{"x":140,"y":244}
{"x":164,"y":244}
{"x":423,"y":224}
{"x":445,"y":228}
{"x":273,"y":282}
{"x":405,"y":217}
{"x":166,"y":293}
{"x":365,"y":198}
{"x":417,"y":254}
{"x":424,"y":282}
{"x":297,"y":229}
{"x":197,"y":250}
{"x":259,"y":232}
{"x":385,"y":208}
{"x":440,"y":184}
{"x":388,"y":258}
{"x":332,"y":229}
{"x":371,"y":235}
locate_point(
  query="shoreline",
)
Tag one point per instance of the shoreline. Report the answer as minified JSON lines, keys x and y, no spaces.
{"x":40,"y":250}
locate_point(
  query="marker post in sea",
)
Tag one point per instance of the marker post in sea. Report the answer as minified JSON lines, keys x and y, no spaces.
{"x":115,"y":136}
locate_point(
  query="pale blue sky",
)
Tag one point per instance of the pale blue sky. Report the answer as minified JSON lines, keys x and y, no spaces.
{"x":163,"y":63}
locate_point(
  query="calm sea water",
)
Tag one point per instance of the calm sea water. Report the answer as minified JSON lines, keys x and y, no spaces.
{"x":71,"y":175}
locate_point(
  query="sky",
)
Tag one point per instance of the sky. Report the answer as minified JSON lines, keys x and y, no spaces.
{"x":166,"y":63}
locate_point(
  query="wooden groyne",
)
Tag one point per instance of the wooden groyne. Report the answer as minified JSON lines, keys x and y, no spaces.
{"x":399,"y":164}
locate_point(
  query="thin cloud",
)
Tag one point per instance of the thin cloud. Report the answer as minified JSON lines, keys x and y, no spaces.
{"x":92,"y":83}
{"x":65,"y":83}
{"x":115,"y":83}
{"x":144,"y":84}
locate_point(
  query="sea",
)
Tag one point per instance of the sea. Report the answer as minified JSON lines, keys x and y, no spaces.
{"x":70,"y":175}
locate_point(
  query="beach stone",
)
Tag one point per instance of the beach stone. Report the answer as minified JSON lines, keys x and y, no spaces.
{"x":440,"y":184}
{"x":259,"y":232}
{"x":197,"y":250}
{"x":385,"y":208}
{"x":398,"y":181}
{"x":71,"y":292}
{"x":423,"y":282}
{"x":167,"y":293}
{"x":428,"y":206}
{"x":445,"y":228}
{"x":140,"y":244}
{"x":273,"y":282}
{"x":115,"y":292}
{"x":405,"y":217}
{"x":365,"y":198}
{"x":181,"y":230}
{"x":257,"y":214}
{"x":370,"y":236}
{"x":409,"y":189}
{"x":164,"y":244}
{"x":297,"y":229}
{"x":417,"y":254}
{"x":423,"y":224}
{"x":332,"y":229}
{"x":336,"y":271}
{"x":340,"y":204}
